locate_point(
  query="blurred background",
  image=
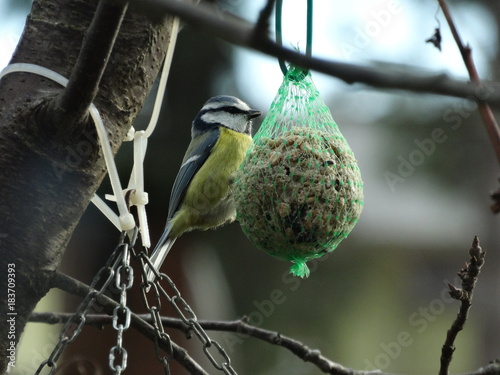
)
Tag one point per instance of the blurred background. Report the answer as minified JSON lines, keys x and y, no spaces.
{"x":379,"y":300}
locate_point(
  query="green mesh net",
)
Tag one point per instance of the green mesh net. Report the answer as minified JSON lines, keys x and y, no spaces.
{"x":299,"y":191}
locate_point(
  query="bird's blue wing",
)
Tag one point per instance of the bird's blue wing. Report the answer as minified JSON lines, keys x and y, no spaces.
{"x":196,"y":155}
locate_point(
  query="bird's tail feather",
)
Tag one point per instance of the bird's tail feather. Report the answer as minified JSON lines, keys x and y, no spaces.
{"x":160,"y":252}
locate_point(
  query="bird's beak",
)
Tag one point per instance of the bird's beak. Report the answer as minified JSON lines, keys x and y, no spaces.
{"x":253,"y":113}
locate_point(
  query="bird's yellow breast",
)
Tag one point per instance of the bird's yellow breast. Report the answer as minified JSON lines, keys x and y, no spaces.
{"x":208,"y":201}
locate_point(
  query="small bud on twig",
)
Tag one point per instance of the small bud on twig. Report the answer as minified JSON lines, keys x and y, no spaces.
{"x":456,"y":293}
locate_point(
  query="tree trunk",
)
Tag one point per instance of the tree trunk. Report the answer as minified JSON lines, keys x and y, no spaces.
{"x":51,"y":166}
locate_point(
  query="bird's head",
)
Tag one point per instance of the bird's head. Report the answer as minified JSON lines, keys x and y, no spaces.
{"x":227,"y":111}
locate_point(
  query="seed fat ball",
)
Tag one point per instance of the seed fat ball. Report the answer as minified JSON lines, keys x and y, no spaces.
{"x":298,"y":195}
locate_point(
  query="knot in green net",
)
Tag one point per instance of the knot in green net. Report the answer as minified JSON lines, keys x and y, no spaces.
{"x":299,"y":191}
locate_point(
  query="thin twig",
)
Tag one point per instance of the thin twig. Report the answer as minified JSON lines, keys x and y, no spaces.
{"x":243,"y":330}
{"x":314,"y":356}
{"x":468,"y":275}
{"x":263,"y":24}
{"x":492,"y":368}
{"x":239,"y":327}
{"x":235,"y":30}
{"x":75,"y":287}
{"x":495,"y":196}
{"x":484,"y":109}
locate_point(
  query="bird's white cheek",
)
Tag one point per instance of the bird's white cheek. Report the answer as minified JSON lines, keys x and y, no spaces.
{"x":229,"y":120}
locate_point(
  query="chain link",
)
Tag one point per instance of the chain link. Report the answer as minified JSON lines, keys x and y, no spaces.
{"x":118,"y":351}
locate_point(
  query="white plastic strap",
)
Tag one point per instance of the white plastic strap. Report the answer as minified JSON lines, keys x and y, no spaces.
{"x":164,"y":77}
{"x":106,"y":210}
{"x":140,"y":197}
{"x":125,"y":220}
{"x":136,"y":182}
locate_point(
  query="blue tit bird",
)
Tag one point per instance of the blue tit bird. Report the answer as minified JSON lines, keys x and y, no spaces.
{"x":201,"y":196}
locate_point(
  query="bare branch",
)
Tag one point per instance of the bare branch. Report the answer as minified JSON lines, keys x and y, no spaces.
{"x":211,"y":20}
{"x":239,"y":326}
{"x":469,"y":275}
{"x":491,"y":369}
{"x":242,"y":328}
{"x":484,"y":108}
{"x":84,"y":81}
{"x":263,"y":23}
{"x":495,"y":206}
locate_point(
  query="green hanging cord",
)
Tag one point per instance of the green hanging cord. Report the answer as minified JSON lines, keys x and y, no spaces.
{"x":309,"y":35}
{"x":279,"y":34}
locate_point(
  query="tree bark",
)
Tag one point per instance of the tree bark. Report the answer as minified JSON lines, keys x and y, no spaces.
{"x":50,"y":166}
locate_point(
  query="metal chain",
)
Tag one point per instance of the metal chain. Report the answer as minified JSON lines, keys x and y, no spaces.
{"x":118,"y":268}
{"x":154,"y":308}
{"x":124,"y":279}
{"x":68,"y":334}
{"x":189,"y":318}
{"x":184,"y":311}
